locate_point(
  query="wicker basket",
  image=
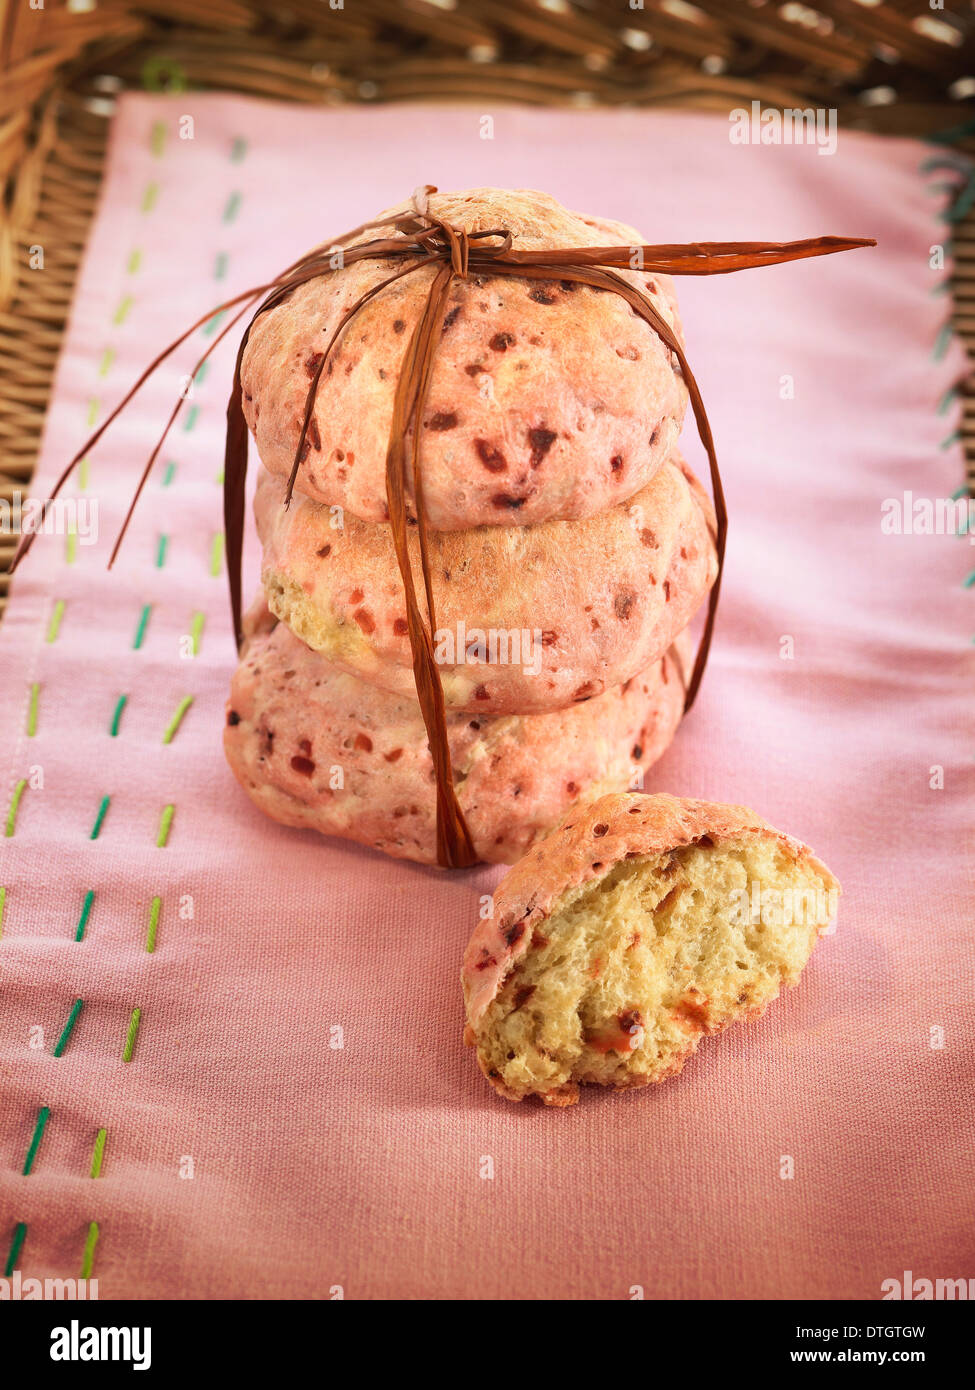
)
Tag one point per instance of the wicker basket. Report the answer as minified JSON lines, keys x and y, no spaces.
{"x":887,"y":65}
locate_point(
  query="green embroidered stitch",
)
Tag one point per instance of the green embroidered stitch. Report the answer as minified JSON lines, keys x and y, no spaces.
{"x":54,"y":626}
{"x":964,"y":202}
{"x":238,"y":150}
{"x":157,"y":138}
{"x":98,"y":1153}
{"x":131,"y":1035}
{"x":946,"y":400}
{"x":43,"y":1115}
{"x":123,"y":310}
{"x":14,"y":803}
{"x":149,"y":197}
{"x":89,"y":1255}
{"x":165,"y":822}
{"x":85,"y":914}
{"x":161,"y":552}
{"x":68,"y":1028}
{"x":196,"y":631}
{"x":35,"y":695}
{"x":96,"y":829}
{"x":177,"y":718}
{"x":169,"y":474}
{"x":140,"y":631}
{"x":232,"y":207}
{"x":216,"y":554}
{"x":116,"y":717}
{"x":135,"y":260}
{"x":16,"y":1245}
{"x":942,"y":342}
{"x":153,"y":924}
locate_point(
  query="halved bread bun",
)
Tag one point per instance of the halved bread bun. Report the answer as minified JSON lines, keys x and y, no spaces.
{"x":641,"y":925}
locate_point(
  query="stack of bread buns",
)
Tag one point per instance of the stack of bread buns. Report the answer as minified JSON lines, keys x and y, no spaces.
{"x":569,"y":546}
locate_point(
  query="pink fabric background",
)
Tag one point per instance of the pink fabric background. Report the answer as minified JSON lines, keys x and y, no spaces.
{"x":360,"y":1167}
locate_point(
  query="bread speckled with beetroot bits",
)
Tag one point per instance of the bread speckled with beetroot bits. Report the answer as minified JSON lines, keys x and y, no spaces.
{"x":548,"y":399}
{"x":637,"y":928}
{"x":602,"y":598}
{"x":318,"y":749}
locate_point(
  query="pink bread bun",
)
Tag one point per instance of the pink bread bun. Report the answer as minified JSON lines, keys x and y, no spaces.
{"x":591,"y":602}
{"x":549,"y":400}
{"x":316,"y":748}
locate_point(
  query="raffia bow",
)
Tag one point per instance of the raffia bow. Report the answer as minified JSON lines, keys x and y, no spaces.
{"x":422,"y":239}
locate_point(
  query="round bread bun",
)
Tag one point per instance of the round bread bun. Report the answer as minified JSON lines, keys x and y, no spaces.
{"x":548,"y":399}
{"x":575,"y":607}
{"x":639,"y":926}
{"x":318,"y":749}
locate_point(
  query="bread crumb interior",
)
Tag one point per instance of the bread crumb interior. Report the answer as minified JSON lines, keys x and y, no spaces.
{"x":630,"y":970}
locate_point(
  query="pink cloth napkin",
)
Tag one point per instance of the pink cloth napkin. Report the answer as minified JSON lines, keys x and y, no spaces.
{"x":298,"y":1117}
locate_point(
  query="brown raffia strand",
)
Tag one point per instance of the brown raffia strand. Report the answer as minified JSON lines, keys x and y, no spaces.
{"x":455,"y":848}
{"x":422,"y":240}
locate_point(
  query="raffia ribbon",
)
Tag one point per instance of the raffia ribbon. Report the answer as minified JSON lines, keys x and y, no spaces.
{"x":423,"y":239}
